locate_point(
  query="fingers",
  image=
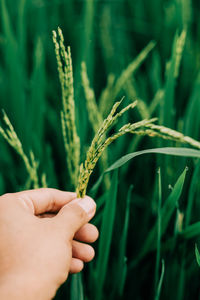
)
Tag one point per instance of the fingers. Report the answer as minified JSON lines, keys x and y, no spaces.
{"x":74,"y":215}
{"x":45,"y":200}
{"x":88,"y":233}
{"x":76,"y":266}
{"x":82,"y":251}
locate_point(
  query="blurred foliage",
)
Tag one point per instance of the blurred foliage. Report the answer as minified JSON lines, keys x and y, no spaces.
{"x":108,"y":36}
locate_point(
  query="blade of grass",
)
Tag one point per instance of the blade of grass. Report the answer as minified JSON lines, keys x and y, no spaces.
{"x":15,"y":75}
{"x":132,"y":67}
{"x":191,"y":231}
{"x":121,"y":267}
{"x":106,"y":237}
{"x":197,"y":254}
{"x":167,"y":111}
{"x":157,"y":297}
{"x":193,"y":111}
{"x":22,"y":28}
{"x":166,"y":150}
{"x":166,"y":213}
{"x":159,"y":230}
{"x":185,"y":152}
{"x":77,"y":292}
{"x":106,"y":102}
{"x":193,"y":185}
{"x":36,"y":106}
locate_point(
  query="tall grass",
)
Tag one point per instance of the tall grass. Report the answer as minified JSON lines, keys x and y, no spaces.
{"x":149,"y":222}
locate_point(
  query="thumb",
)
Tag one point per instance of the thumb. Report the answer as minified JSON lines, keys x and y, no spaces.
{"x":75,"y":214}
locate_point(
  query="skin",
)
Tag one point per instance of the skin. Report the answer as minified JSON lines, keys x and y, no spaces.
{"x":44,"y":236}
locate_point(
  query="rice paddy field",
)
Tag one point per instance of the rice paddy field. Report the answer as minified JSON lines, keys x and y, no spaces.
{"x":146,"y":183}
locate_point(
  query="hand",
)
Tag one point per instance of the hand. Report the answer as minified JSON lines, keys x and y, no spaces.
{"x":37,"y":254}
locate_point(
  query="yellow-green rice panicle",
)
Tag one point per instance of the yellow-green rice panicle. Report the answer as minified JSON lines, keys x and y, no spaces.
{"x":95,"y":118}
{"x":100,"y":135}
{"x":96,"y":149}
{"x":70,"y":136}
{"x":156,"y":101}
{"x":108,"y":121}
{"x":132,"y":67}
{"x":168,"y":133}
{"x":106,"y":94}
{"x":143,"y":109}
{"x":112,"y":117}
{"x":33,"y":170}
{"x":113,"y":89}
{"x":179,"y":52}
{"x":44,"y":180}
{"x":30,"y":164}
{"x":91,"y":157}
{"x":125,"y":109}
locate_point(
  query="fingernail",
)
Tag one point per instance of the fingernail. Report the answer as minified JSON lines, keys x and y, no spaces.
{"x":88,"y":205}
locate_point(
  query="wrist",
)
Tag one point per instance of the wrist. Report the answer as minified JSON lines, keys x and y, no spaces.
{"x":22,"y":287}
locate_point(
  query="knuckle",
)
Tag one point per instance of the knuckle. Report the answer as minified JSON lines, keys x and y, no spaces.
{"x":4,"y":199}
{"x":7,"y":195}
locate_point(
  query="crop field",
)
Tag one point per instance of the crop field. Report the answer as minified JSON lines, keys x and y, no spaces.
{"x":112,"y":86}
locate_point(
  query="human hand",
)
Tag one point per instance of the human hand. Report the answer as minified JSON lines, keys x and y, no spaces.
{"x":37,"y":254}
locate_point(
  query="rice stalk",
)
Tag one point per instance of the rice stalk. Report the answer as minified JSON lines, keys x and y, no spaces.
{"x":30,"y":163}
{"x":95,"y":118}
{"x":70,"y":136}
{"x":179,"y":52}
{"x":156,"y":101}
{"x":113,"y":88}
{"x":170,"y":134}
{"x":106,"y":94}
{"x":44,"y":180}
{"x":167,"y":113}
{"x":132,"y":67}
{"x":186,"y":12}
{"x":100,"y":143}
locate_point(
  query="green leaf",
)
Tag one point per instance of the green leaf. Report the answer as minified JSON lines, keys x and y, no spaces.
{"x":197,"y":255}
{"x":189,"y":152}
{"x":192,"y":191}
{"x":159,"y":228}
{"x":106,"y":236}
{"x":121,"y":268}
{"x":77,"y":287}
{"x":185,"y":152}
{"x":191,"y":231}
{"x":166,"y":213}
{"x":157,"y":297}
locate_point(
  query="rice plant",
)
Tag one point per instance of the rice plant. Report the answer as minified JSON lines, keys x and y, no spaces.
{"x":112,"y":149}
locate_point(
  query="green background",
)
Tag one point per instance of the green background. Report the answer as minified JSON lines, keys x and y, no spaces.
{"x":108,"y":35}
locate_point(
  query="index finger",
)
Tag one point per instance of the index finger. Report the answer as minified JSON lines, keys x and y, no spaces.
{"x":45,"y":199}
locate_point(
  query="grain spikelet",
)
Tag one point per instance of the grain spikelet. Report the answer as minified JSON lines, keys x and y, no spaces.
{"x":31,"y":164}
{"x":95,"y":118}
{"x":132,"y":67}
{"x":70,"y":136}
{"x":167,"y":133}
{"x":93,"y":110}
{"x":112,"y":90}
{"x":100,"y":143}
{"x":179,"y":52}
